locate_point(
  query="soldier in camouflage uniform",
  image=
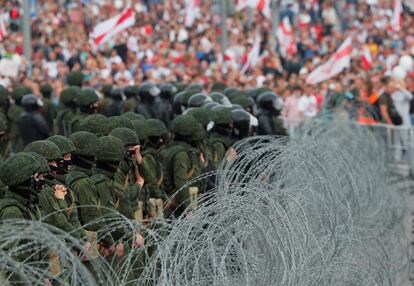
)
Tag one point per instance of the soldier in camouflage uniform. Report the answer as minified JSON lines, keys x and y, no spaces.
{"x":87,"y":103}
{"x":181,"y":162}
{"x":54,"y":206}
{"x":220,"y":138}
{"x":131,"y":94}
{"x":154,"y":135}
{"x":48,"y":109}
{"x":66,"y":148}
{"x":106,"y":91}
{"x":13,"y":114}
{"x":67,"y":109}
{"x":78,"y":179}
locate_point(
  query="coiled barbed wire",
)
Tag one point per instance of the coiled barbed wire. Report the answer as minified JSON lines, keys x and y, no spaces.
{"x":322,"y":209}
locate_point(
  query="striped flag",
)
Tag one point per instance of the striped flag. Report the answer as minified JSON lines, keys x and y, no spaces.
{"x":396,"y":20}
{"x":105,"y":30}
{"x":286,"y":38}
{"x":366,"y":58}
{"x":3,"y":31}
{"x":253,"y":56}
{"x":262,"y":6}
{"x":340,"y":60}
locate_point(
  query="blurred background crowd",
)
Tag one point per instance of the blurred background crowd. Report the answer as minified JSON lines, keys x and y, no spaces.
{"x":160,"y":47}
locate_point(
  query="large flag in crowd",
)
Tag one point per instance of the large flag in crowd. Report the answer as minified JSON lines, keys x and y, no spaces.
{"x":262,"y":6}
{"x":286,"y":38}
{"x":396,"y":20}
{"x":105,"y":30}
{"x":340,"y":60}
{"x":253,"y":56}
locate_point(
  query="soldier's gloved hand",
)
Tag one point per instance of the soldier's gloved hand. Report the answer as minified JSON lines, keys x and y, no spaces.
{"x":60,"y":191}
{"x":139,"y":240}
{"x":119,"y":249}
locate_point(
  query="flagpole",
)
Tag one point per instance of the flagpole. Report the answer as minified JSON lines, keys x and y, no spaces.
{"x":275,"y":21}
{"x":223,"y":12}
{"x":27,"y":37}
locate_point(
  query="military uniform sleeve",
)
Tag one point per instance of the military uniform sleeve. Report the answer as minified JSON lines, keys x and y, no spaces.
{"x":53,"y":213}
{"x":88,"y":211}
{"x":181,"y":166}
{"x":11,"y":212}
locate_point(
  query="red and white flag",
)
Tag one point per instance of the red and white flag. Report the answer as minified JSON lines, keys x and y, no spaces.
{"x":191,"y":12}
{"x":366,"y":58}
{"x":253,"y":56}
{"x":396,"y":20}
{"x":340,"y":60}
{"x":286,"y":38}
{"x":262,"y":6}
{"x":106,"y":29}
{"x":3,"y":31}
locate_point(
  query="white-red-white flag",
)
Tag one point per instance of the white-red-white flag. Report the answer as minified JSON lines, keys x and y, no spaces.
{"x":286,"y":38}
{"x":340,"y":60}
{"x":106,"y":29}
{"x":262,"y":6}
{"x":253,"y":56}
{"x":396,"y":20}
{"x":366,"y":58}
{"x":3,"y":31}
{"x":191,"y":12}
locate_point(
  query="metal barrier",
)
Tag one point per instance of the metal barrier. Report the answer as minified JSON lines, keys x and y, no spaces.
{"x":398,"y":140}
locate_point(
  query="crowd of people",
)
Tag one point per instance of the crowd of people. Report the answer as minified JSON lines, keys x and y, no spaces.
{"x":90,"y":131}
{"x":160,"y":47}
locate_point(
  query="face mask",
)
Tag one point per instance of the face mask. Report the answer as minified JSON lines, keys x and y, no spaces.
{"x":131,"y":153}
{"x":54,"y":169}
{"x":67,"y":164}
{"x":37,"y":184}
{"x":110,"y":167}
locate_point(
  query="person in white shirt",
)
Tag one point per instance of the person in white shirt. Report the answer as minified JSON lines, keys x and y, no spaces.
{"x":307,"y":104}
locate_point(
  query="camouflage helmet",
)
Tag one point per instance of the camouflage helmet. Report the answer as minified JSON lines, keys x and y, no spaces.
{"x":47,"y":149}
{"x":46,"y":90}
{"x":110,"y":149}
{"x":43,"y":165}
{"x":155,"y":128}
{"x":19,"y":91}
{"x":75,"y":78}
{"x":187,"y":126}
{"x":126,"y":135}
{"x":223,"y":116}
{"x":140,"y":129}
{"x":18,"y":168}
{"x":219,"y":86}
{"x":65,"y":145}
{"x":107,"y":89}
{"x":120,"y":121}
{"x":131,"y":91}
{"x":97,"y":124}
{"x":202,"y":115}
{"x":194,"y":88}
{"x":4,"y":95}
{"x":133,"y":116}
{"x":86,"y":143}
{"x":69,"y":94}
{"x":87,"y":97}
{"x":243,"y":100}
{"x":220,"y":98}
{"x":168,"y":90}
{"x":230,"y":91}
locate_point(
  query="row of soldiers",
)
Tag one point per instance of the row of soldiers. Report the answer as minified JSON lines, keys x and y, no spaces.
{"x":108,"y":157}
